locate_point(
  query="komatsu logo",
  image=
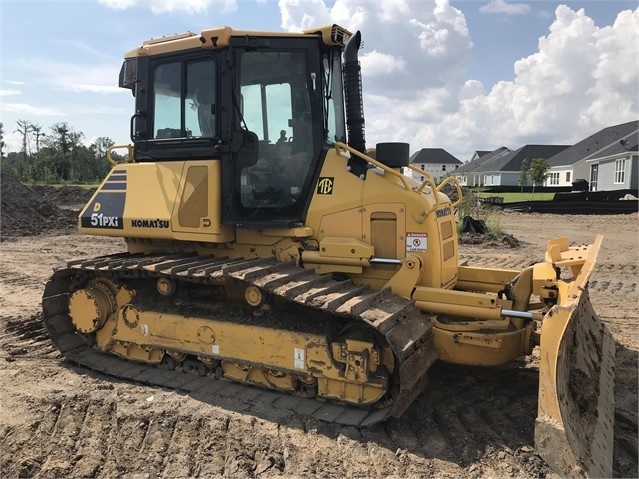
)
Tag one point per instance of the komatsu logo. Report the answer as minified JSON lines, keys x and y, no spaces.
{"x":150,"y":223}
{"x":443,"y":212}
{"x":102,"y":221}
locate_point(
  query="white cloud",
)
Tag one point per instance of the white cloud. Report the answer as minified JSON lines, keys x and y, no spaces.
{"x":10,"y":92}
{"x":118,"y":4}
{"x":501,"y":6}
{"x":96,"y":88}
{"x":376,"y":64}
{"x":12,"y":139}
{"x":26,"y":109}
{"x":168,"y":6}
{"x":99,"y":109}
{"x":98,"y":78}
{"x":582,"y":78}
{"x":471,"y":89}
{"x":393,"y":11}
{"x":426,"y":43}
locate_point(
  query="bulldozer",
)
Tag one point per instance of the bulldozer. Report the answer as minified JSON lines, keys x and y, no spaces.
{"x":269,"y":248}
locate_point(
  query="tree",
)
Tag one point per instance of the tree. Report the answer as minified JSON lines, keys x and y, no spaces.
{"x":59,"y":156}
{"x":538,"y":171}
{"x":37,"y":129}
{"x":64,"y":155}
{"x":60,"y":136}
{"x":24,"y":127}
{"x":524,"y":173}
{"x":100,"y":165}
{"x":1,"y":142}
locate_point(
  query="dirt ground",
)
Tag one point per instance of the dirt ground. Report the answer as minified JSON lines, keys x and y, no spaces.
{"x":58,"y":420}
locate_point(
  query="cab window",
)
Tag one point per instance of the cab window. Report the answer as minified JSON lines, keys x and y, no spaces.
{"x":184,"y":95}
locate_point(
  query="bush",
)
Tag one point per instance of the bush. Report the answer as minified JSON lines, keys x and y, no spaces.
{"x":472,"y":207}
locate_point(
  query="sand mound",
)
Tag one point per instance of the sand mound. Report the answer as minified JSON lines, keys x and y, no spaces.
{"x":29,"y":211}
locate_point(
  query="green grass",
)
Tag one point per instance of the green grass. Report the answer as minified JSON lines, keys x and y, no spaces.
{"x":89,"y":186}
{"x":514,"y":197}
{"x":86,"y":186}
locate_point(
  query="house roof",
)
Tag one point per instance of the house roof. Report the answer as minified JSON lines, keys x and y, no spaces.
{"x":434,"y":156}
{"x":474,"y":164}
{"x":605,"y":142}
{"x":513,"y":160}
{"x":478,"y":154}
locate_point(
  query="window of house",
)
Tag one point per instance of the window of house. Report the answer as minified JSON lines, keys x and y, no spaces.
{"x":421,"y":167}
{"x":620,"y":170}
{"x":553,"y":178}
{"x":567,"y":175}
{"x":421,"y":178}
{"x":443,"y":167}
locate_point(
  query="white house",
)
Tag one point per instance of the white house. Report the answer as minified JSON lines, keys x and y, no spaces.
{"x":436,"y":161}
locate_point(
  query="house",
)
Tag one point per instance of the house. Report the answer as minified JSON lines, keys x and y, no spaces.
{"x":502,"y":167}
{"x":506,"y":170}
{"x":607,"y":160}
{"x":436,"y":161}
{"x":468,"y":174}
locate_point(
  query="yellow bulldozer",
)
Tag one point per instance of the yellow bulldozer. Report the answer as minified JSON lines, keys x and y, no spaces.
{"x":267,"y":246}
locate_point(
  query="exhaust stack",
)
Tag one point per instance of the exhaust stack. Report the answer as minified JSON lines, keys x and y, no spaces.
{"x":353,"y":94}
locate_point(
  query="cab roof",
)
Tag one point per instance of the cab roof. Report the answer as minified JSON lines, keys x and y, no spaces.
{"x":215,"y":38}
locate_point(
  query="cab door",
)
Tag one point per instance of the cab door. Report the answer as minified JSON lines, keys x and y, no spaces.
{"x":279,"y":117}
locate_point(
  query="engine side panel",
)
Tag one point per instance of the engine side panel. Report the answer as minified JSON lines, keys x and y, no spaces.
{"x":176,"y":200}
{"x":380,"y":210}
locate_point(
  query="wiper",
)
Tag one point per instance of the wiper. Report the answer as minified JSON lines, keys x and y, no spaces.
{"x":236,"y":103}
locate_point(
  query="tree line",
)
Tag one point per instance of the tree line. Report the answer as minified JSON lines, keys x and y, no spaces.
{"x":59,"y":156}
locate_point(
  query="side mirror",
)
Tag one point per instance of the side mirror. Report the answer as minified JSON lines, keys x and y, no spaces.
{"x":129,"y":74}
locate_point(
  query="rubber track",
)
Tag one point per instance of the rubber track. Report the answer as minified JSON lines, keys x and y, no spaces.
{"x":404,"y":327}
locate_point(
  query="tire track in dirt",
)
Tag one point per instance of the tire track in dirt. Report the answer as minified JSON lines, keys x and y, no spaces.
{"x":186,"y":435}
{"x":613,"y":287}
{"x":26,"y":338}
{"x":506,"y":260}
{"x":468,"y":415}
{"x":73,"y":438}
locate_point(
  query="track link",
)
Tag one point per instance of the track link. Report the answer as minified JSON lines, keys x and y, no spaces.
{"x":404,"y":327}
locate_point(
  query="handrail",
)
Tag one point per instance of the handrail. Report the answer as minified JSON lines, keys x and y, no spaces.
{"x":339,"y":145}
{"x":129,"y":154}
{"x":457,"y":185}
{"x":428,"y":179}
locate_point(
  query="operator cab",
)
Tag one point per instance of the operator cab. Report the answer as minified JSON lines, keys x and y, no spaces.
{"x":267,"y":108}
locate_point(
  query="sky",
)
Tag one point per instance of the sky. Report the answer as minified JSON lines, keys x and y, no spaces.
{"x":462,"y":75}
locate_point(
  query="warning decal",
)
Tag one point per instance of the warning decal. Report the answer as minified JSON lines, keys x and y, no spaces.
{"x":299,"y":358}
{"x":416,"y":242}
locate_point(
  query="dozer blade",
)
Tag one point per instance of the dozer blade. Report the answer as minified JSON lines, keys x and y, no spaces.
{"x":574,"y":426}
